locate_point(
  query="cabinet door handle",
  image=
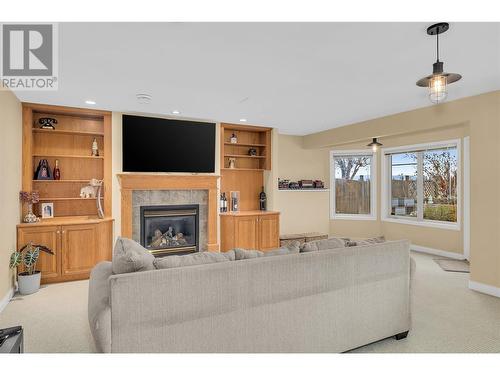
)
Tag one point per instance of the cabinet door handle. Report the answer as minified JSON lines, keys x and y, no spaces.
{"x":58,"y":232}
{"x":64,"y":231}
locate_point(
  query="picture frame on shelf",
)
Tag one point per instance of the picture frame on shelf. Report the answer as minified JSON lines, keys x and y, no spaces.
{"x":47,"y":210}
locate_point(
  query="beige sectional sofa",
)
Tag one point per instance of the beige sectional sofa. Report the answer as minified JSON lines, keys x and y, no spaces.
{"x":330,"y":300}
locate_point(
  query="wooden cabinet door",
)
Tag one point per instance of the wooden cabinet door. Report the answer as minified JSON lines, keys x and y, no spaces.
{"x":49,"y":236}
{"x":246,"y":232}
{"x":268,"y":232}
{"x":80,"y":250}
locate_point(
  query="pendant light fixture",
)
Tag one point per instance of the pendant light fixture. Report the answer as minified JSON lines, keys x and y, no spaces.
{"x":374,"y":144}
{"x":438,"y":81}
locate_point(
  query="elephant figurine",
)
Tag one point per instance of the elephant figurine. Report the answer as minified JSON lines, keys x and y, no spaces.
{"x":88,"y":191}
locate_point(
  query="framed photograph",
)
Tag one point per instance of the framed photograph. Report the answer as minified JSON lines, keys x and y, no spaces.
{"x":47,"y":210}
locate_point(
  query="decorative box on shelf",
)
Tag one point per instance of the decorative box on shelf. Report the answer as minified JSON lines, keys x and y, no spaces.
{"x":301,"y":185}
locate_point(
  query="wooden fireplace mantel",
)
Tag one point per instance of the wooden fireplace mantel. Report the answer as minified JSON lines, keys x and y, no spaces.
{"x":141,"y":181}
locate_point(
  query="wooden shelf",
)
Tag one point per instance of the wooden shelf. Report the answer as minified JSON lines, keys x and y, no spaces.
{"x":244,"y":156}
{"x":62,"y":181}
{"x":304,"y":190}
{"x":242,"y":169}
{"x":245,"y":144}
{"x":60,"y":156}
{"x":66,"y":220}
{"x":73,"y":132}
{"x":68,"y":199}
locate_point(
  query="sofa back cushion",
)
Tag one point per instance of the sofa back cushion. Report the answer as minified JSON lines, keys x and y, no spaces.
{"x":242,"y":254}
{"x":330,"y":243}
{"x":291,"y":248}
{"x":366,"y":241}
{"x":204,"y":257}
{"x":129,"y":256}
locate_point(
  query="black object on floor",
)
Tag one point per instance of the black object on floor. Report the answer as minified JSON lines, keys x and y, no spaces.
{"x":401,"y":335}
{"x":12,"y":340}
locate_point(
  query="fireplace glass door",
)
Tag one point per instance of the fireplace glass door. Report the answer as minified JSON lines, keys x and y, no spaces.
{"x":170,"y":229}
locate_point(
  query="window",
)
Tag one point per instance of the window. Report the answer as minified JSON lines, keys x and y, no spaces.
{"x":352,"y":185}
{"x":422,"y":184}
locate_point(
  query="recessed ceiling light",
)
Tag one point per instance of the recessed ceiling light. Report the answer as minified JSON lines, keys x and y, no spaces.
{"x":143,"y":98}
{"x":243,"y":120}
{"x":176,"y":112}
{"x":91,"y":102}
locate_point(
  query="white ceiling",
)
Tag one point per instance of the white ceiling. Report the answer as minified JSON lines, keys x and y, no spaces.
{"x":298,"y":77}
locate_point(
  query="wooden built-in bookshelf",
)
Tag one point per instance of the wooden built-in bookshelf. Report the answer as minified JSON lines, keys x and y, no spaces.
{"x":248,"y":137}
{"x":248,"y":175}
{"x":76,"y":235}
{"x":71,"y":144}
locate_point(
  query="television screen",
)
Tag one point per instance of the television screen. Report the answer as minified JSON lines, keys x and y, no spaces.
{"x":163,"y":145}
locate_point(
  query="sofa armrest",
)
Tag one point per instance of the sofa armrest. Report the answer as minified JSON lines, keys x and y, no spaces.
{"x":99,"y":309}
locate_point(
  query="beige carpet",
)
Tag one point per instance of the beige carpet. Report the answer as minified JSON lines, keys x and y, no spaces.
{"x":447,"y":316}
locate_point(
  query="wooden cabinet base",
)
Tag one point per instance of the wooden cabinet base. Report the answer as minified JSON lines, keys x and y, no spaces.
{"x":78,"y":247}
{"x":250,"y":230}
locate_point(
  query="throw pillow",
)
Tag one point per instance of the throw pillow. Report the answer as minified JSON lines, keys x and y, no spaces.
{"x":292,"y":248}
{"x":330,"y":243}
{"x":129,"y":256}
{"x":204,"y":257}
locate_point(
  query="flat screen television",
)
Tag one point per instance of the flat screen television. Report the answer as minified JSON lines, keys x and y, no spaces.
{"x":163,"y":145}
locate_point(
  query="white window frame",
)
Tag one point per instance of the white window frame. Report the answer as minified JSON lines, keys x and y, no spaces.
{"x":373,"y":185}
{"x":386,"y":185}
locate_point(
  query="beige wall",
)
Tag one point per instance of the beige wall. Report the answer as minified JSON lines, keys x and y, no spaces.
{"x":478,"y":117}
{"x":10,"y":185}
{"x":300,"y":211}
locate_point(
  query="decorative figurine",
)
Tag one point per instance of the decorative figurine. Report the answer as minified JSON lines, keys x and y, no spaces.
{"x":47,"y":123}
{"x":232,"y":163}
{"x":262,"y":200}
{"x":87,"y":192}
{"x":57,"y":172}
{"x":233,"y":138}
{"x":90,"y":191}
{"x":43,"y":171}
{"x":95,"y":149}
{"x":252,"y":152}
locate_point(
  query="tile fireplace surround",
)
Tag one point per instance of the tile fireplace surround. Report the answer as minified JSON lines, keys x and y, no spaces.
{"x":167,"y":198}
{"x":146,"y":189}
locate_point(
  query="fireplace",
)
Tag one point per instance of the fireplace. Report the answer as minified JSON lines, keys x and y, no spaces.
{"x":172,"y":229}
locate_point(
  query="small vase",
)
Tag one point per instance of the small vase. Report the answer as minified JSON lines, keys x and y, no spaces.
{"x":30,"y":216}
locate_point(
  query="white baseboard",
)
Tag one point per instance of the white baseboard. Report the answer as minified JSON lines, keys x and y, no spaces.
{"x":484,"y":288}
{"x":6,"y":299}
{"x":441,"y":253}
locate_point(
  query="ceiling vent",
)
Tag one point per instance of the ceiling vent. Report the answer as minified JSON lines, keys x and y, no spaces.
{"x":143,"y":98}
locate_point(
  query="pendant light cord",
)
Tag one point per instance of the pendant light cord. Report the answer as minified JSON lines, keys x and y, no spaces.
{"x":437,"y":46}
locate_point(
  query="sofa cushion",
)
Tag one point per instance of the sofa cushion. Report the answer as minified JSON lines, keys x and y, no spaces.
{"x":129,"y":256}
{"x":291,"y":248}
{"x":204,"y":257}
{"x":330,"y":243}
{"x":241,"y":254}
{"x":366,"y":241}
